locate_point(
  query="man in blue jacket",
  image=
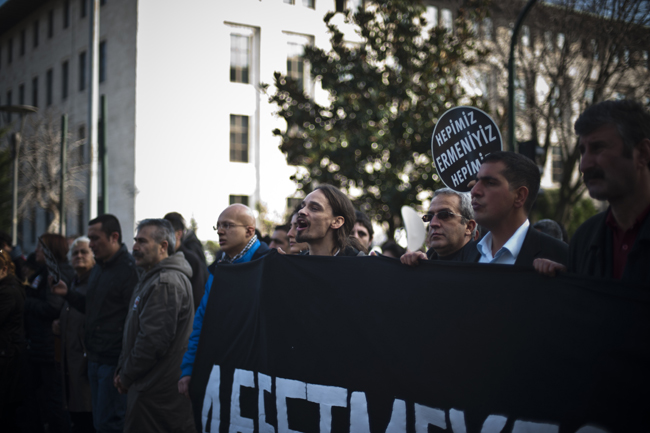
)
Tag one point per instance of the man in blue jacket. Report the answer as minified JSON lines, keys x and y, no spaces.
{"x":239,"y":244}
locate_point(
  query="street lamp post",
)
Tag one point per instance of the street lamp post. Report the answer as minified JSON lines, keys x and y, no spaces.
{"x":16,"y":141}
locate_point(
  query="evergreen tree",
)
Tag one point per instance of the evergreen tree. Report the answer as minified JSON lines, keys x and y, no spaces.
{"x":373,"y":137}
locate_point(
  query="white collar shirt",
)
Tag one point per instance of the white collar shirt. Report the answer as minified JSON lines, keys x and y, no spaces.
{"x":507,"y":254}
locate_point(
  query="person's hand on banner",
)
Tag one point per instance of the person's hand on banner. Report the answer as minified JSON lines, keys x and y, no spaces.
{"x":412,"y":258}
{"x":60,"y":288}
{"x":548,"y":267}
{"x":279,"y":250}
{"x":184,"y":386}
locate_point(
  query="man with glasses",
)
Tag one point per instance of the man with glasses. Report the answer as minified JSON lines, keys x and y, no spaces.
{"x":451,"y":228}
{"x":503,"y":194}
{"x":239,"y":244}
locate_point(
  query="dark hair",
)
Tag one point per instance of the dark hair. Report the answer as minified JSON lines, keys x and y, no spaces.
{"x":177,"y":221}
{"x":5,"y":260}
{"x":5,"y":238}
{"x":341,"y":206}
{"x":394,"y":248}
{"x":630,"y":117}
{"x":520,"y":171}
{"x":110,"y":225}
{"x":164,"y":232}
{"x":283,"y":227}
{"x":551,"y":228}
{"x":363,"y":219}
{"x":57,"y":244}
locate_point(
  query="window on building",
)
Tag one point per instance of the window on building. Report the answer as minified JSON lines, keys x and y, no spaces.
{"x":21,"y":94}
{"x":447,"y":19}
{"x":64,"y":79}
{"x":560,"y":40}
{"x":49,"y":81}
{"x":10,"y":50}
{"x":431,"y":15}
{"x":594,"y":49}
{"x":525,"y":36}
{"x":557,"y":165}
{"x":81,"y":220}
{"x":66,"y":14}
{"x":102,"y":2}
{"x":242,"y":199}
{"x":238,"y":138}
{"x":102,"y":61}
{"x":646,"y":64}
{"x":289,"y":2}
{"x":297,"y":68}
{"x":36,"y":31}
{"x":9,"y":102}
{"x":240,"y":57}
{"x":22,"y":42}
{"x":308,"y":3}
{"x":50,"y":23}
{"x":83,"y":9}
{"x":548,"y":41}
{"x":82,"y":71}
{"x":35,"y":91}
{"x":81,"y":136}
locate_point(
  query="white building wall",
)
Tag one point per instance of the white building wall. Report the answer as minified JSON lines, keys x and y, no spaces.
{"x":185,"y":99}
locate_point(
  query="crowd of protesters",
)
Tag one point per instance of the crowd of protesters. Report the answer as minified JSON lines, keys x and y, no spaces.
{"x":94,"y":338}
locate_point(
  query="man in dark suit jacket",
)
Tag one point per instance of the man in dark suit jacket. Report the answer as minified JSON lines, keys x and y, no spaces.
{"x":503,"y":194}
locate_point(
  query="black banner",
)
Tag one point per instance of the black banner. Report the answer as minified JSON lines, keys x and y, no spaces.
{"x":366,"y":344}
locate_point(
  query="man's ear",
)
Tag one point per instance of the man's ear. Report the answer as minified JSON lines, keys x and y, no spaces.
{"x":469,"y":228}
{"x":337,"y":223}
{"x":114,"y":237}
{"x":164,"y":245}
{"x":521,"y":194}
{"x":250,"y":231}
{"x":642,"y":151}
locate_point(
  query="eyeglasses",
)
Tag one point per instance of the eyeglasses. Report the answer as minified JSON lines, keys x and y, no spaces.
{"x":443,"y":215}
{"x":226,"y":226}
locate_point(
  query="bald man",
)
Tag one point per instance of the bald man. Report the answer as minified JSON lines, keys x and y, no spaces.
{"x":239,"y":244}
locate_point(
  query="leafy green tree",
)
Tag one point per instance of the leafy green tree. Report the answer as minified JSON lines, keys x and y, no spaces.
{"x":373,"y":137}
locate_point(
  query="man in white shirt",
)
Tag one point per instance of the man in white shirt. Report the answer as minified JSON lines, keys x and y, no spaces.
{"x":503,"y":195}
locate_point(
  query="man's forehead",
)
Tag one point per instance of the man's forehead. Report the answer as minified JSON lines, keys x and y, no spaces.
{"x":317,"y":197}
{"x":491,"y":169}
{"x":603,"y":133}
{"x":145,"y":232}
{"x":445,"y":201}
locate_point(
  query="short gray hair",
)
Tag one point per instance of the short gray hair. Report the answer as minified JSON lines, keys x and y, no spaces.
{"x":79,"y":240}
{"x":164,"y":232}
{"x":465,"y":207}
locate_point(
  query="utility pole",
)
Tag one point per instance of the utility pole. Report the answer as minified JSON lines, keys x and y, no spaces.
{"x":64,"y":167}
{"x":512,"y":139}
{"x":93,"y":92}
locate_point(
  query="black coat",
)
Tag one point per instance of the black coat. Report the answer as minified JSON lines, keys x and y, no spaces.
{"x":199,"y":273}
{"x":536,"y":245}
{"x":42,"y":307}
{"x":192,"y":243}
{"x":106,"y":304}
{"x":12,"y":309}
{"x":591,"y":252}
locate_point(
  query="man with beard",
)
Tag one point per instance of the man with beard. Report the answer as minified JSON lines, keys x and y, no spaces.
{"x":280,"y":240}
{"x":451,"y":228}
{"x":503,"y":194}
{"x":363,"y":230}
{"x":325,"y":220}
{"x":614,"y":141}
{"x":239,"y":244}
{"x":156,"y":330}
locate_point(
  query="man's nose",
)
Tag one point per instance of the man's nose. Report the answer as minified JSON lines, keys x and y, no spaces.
{"x":586,"y":162}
